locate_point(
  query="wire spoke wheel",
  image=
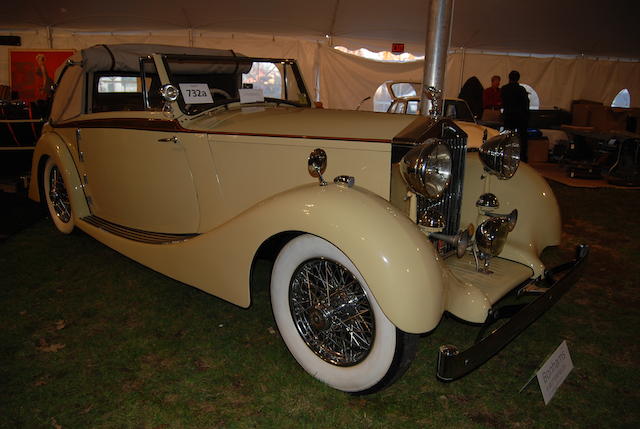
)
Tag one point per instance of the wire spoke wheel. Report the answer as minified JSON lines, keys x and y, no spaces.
{"x":330,"y":319}
{"x":58,"y":195}
{"x":331,"y":312}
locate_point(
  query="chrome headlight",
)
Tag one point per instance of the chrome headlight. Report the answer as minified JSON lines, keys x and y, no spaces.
{"x":491,"y":235}
{"x":427,"y":168}
{"x":501,"y":155}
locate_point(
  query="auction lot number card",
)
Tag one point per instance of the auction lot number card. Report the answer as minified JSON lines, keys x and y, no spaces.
{"x":195,"y":93}
{"x":554,"y":371}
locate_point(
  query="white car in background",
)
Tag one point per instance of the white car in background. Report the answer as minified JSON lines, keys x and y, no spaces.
{"x":405,"y":99}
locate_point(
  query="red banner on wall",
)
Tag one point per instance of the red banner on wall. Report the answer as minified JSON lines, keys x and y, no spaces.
{"x":32,"y":72}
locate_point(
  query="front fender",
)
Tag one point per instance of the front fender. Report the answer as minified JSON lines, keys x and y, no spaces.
{"x":394,"y":257}
{"x":50,"y":145}
{"x":397,"y":261}
{"x":539,"y":224}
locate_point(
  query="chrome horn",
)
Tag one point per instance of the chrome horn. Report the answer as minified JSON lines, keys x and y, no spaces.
{"x":511,"y":218}
{"x":460,"y":241}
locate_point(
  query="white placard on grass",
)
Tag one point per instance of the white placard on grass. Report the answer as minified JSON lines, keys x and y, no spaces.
{"x":196,"y":93}
{"x":554,"y":371}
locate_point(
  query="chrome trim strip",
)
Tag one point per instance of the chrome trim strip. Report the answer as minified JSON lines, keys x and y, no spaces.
{"x":136,"y":234}
{"x":174,"y":126}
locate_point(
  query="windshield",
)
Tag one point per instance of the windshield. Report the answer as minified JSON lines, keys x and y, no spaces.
{"x":458,"y":109}
{"x":208,"y":82}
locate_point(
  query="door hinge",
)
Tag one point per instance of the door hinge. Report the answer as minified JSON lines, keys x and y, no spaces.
{"x":78,"y":138}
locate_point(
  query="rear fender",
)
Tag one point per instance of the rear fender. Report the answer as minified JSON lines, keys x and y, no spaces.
{"x":51,"y":145}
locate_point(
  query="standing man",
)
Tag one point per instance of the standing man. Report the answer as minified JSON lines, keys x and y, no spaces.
{"x":491,"y":98}
{"x":492,"y":101}
{"x":515,"y":102}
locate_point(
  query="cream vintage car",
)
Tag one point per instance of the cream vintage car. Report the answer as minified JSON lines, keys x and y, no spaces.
{"x":197,"y":162}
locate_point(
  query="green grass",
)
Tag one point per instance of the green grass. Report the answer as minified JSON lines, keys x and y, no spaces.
{"x":91,"y":339}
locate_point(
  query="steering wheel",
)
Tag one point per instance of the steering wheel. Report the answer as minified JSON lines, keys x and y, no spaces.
{"x":219,"y":91}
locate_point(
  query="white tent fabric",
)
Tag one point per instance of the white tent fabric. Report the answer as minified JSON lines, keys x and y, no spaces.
{"x":304,"y":30}
{"x":347,"y":79}
{"x":576,"y":27}
{"x":344,"y":80}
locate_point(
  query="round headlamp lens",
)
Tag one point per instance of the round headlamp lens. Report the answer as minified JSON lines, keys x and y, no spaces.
{"x":491,"y":235}
{"x":427,"y":168}
{"x":501,"y":155}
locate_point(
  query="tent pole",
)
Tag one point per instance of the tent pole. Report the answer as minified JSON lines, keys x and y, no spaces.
{"x":461,"y":70}
{"x":436,"y":46}
{"x":50,"y":36}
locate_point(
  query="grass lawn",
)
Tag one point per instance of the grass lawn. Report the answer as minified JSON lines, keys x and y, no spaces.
{"x":91,"y":339}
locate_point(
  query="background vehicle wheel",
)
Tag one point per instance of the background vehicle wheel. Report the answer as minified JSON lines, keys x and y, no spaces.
{"x":57,"y":197}
{"x":331,"y":322}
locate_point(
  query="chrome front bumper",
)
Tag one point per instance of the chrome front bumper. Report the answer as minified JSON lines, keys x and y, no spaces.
{"x":453,"y":363}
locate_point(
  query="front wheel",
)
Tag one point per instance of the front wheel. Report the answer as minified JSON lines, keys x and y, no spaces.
{"x":331,"y":322}
{"x":57,"y":197}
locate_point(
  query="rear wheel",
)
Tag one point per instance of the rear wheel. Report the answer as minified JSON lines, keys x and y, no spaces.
{"x":331,"y":322}
{"x":57,"y":197}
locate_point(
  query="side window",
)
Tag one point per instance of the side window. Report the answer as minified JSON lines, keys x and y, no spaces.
{"x":114,"y":84}
{"x":118,"y":92}
{"x":403,"y":89}
{"x":623,"y":99}
{"x":398,"y":106}
{"x":382,"y":99}
{"x":458,"y":109}
{"x":534,"y":100}
{"x":413,"y":107}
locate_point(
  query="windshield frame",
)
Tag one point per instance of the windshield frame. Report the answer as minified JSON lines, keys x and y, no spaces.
{"x":166,"y":58}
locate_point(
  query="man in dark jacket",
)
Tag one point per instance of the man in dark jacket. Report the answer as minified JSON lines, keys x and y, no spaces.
{"x":515,"y":103}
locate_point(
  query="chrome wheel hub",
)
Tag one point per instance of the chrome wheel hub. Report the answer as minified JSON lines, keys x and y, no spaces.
{"x":58,"y":195}
{"x":331,"y":312}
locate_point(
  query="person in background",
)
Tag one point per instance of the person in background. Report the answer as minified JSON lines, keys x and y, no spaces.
{"x":515,"y":103}
{"x":492,"y":101}
{"x":471,"y":92}
{"x":491,"y":98}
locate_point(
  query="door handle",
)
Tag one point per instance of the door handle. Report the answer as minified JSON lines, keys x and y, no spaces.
{"x":173,"y":139}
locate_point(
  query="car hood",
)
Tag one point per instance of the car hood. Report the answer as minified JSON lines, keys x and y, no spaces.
{"x":302,"y":122}
{"x":475,"y":133}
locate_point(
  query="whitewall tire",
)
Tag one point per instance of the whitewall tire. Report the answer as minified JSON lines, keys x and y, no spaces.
{"x":57,"y":197}
{"x":331,"y":322}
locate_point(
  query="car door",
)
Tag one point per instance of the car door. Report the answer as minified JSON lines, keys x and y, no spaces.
{"x":135,"y":169}
{"x":139,"y":178}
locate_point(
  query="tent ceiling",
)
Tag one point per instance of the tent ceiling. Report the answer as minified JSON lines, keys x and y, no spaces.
{"x":574,"y":27}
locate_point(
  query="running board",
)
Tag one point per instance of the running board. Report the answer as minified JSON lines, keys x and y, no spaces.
{"x":136,"y":234}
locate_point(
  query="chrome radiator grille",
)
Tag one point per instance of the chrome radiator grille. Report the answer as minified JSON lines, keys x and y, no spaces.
{"x":450,"y":204}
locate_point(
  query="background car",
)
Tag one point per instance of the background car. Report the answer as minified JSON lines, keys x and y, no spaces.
{"x":405,"y":100}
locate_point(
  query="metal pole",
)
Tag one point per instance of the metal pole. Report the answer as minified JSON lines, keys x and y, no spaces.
{"x":50,"y":36}
{"x":460,"y":83}
{"x":436,"y":46}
